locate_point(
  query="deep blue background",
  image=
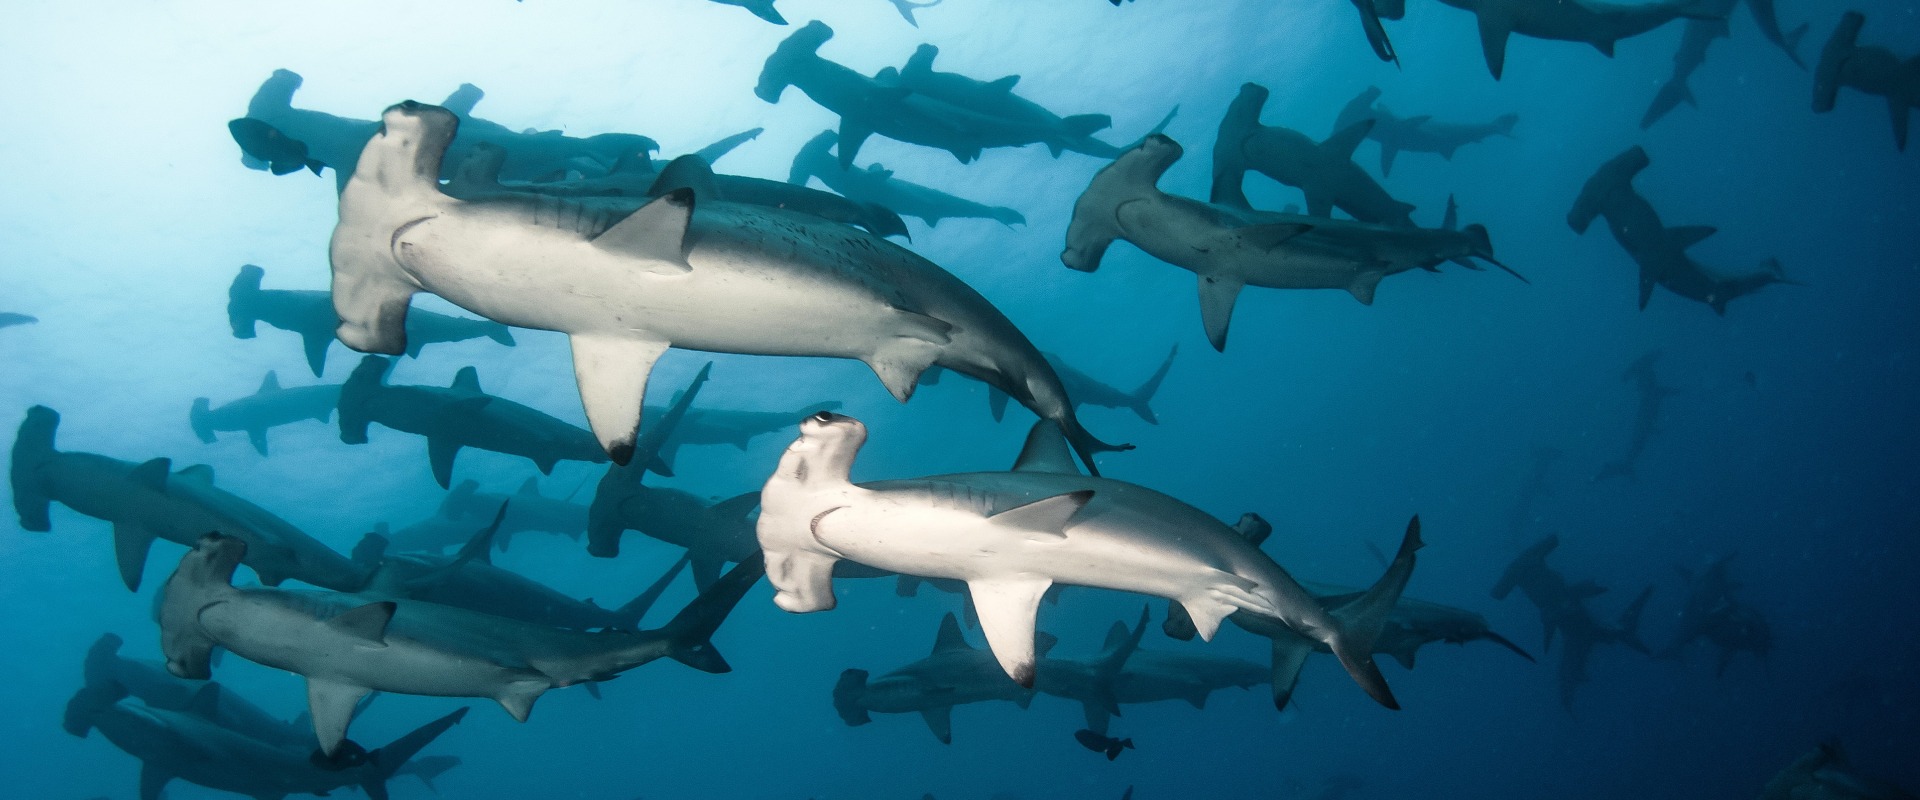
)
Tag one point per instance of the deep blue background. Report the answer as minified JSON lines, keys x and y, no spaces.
{"x":126,"y":214}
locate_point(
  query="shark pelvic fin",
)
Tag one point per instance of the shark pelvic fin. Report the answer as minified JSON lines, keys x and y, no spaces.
{"x":1217,"y":297}
{"x":332,"y":706}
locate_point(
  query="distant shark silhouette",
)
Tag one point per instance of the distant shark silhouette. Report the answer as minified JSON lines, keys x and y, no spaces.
{"x":1646,"y":420}
{"x":1563,"y":612}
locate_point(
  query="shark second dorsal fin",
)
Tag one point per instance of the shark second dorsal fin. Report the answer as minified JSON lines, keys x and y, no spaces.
{"x":657,"y":232}
{"x":1005,"y":84}
{"x":950,"y":639}
{"x":271,"y":383}
{"x":1046,"y":517}
{"x":1046,"y":451}
{"x":467,"y":381}
{"x":368,"y":623}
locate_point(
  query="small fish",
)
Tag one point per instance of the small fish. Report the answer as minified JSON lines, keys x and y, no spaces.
{"x":283,"y":153}
{"x":1101,"y":743}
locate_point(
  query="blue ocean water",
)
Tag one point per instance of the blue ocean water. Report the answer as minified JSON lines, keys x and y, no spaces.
{"x":1788,"y":439}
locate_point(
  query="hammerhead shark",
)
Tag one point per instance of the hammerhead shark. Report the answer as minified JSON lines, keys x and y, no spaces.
{"x":189,"y":743}
{"x":1658,"y":250}
{"x":309,"y":312}
{"x":1534,"y":487}
{"x":457,"y":417}
{"x":466,"y":506}
{"x":1871,"y":70}
{"x":1596,"y":22}
{"x":875,"y":185}
{"x":1646,"y":420}
{"x":954,"y":674}
{"x":1088,"y":390}
{"x":1421,"y":134}
{"x":270,"y":407}
{"x":1563,"y":611}
{"x":1714,"y":614}
{"x":996,"y":99}
{"x":1699,"y":36}
{"x":1045,"y":524}
{"x":1323,"y":171}
{"x":151,"y":500}
{"x":347,"y":646}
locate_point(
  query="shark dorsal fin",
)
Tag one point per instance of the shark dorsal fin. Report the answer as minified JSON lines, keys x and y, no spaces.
{"x":205,"y":703}
{"x":657,"y":232}
{"x":152,"y":474}
{"x":530,"y":489}
{"x":1046,"y":517}
{"x":1043,"y":643}
{"x":198,"y":473}
{"x":686,"y":172}
{"x":1046,"y":451}
{"x":269,"y":384}
{"x":467,"y":381}
{"x":1347,"y":139}
{"x":367,"y":623}
{"x":950,"y":639}
{"x":1116,"y":635}
{"x":1005,"y":84}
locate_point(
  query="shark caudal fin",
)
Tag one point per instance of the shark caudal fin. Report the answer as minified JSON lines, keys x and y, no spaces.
{"x":692,"y":629}
{"x":761,"y":8}
{"x":242,"y":294}
{"x":1132,"y":176}
{"x":1006,"y":216}
{"x":382,"y":764}
{"x":798,"y":48}
{"x":1613,"y":179}
{"x":1140,"y":400}
{"x":366,"y":381}
{"x":1628,"y":632}
{"x":1833,"y":60}
{"x":429,"y":768}
{"x":627,"y":617}
{"x":32,"y":449}
{"x":1229,"y":158}
{"x":846,"y":697}
{"x":1362,"y":619}
{"x":1376,"y":32}
{"x":201,"y":419}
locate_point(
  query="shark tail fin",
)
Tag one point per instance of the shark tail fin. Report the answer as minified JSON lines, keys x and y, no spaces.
{"x":1140,"y":399}
{"x":200,"y":419}
{"x":1790,"y":42}
{"x":627,"y":617}
{"x":240,"y":297}
{"x":1833,"y":58}
{"x":429,"y":769}
{"x":1376,"y":32}
{"x":1629,"y":629}
{"x":1087,"y":124}
{"x":1006,"y":216}
{"x":1362,"y":619}
{"x":846,"y":697}
{"x":692,"y":629}
{"x":32,"y":449}
{"x":366,"y":381}
{"x":387,"y":761}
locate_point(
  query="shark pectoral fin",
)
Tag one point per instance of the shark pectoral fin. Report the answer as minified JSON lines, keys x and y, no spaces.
{"x":1197,"y":697}
{"x":1290,"y":651}
{"x":315,"y":345}
{"x":258,"y":438}
{"x":1646,"y":287}
{"x":332,"y":706}
{"x":131,"y":541}
{"x":852,"y":135}
{"x":657,"y":232}
{"x":153,"y":778}
{"x":706,"y":571}
{"x":1217,"y":296}
{"x":366,"y":623}
{"x":612,"y":373}
{"x":940,"y":721}
{"x":1046,"y":518}
{"x":900,"y":360}
{"x":1897,"y":106}
{"x":518,"y":698}
{"x":1494,"y":31}
{"x":1387,"y":154}
{"x":1007,"y":609}
{"x":1364,"y":285}
{"x":440,"y":452}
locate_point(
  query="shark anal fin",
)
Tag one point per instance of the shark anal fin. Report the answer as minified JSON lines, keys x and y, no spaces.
{"x":612,"y":373}
{"x":1008,"y":608}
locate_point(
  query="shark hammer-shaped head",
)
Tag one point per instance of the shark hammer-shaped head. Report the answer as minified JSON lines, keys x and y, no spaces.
{"x":204,"y":573}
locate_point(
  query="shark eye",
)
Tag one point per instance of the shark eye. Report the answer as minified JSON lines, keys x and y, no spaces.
{"x":822,"y":416}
